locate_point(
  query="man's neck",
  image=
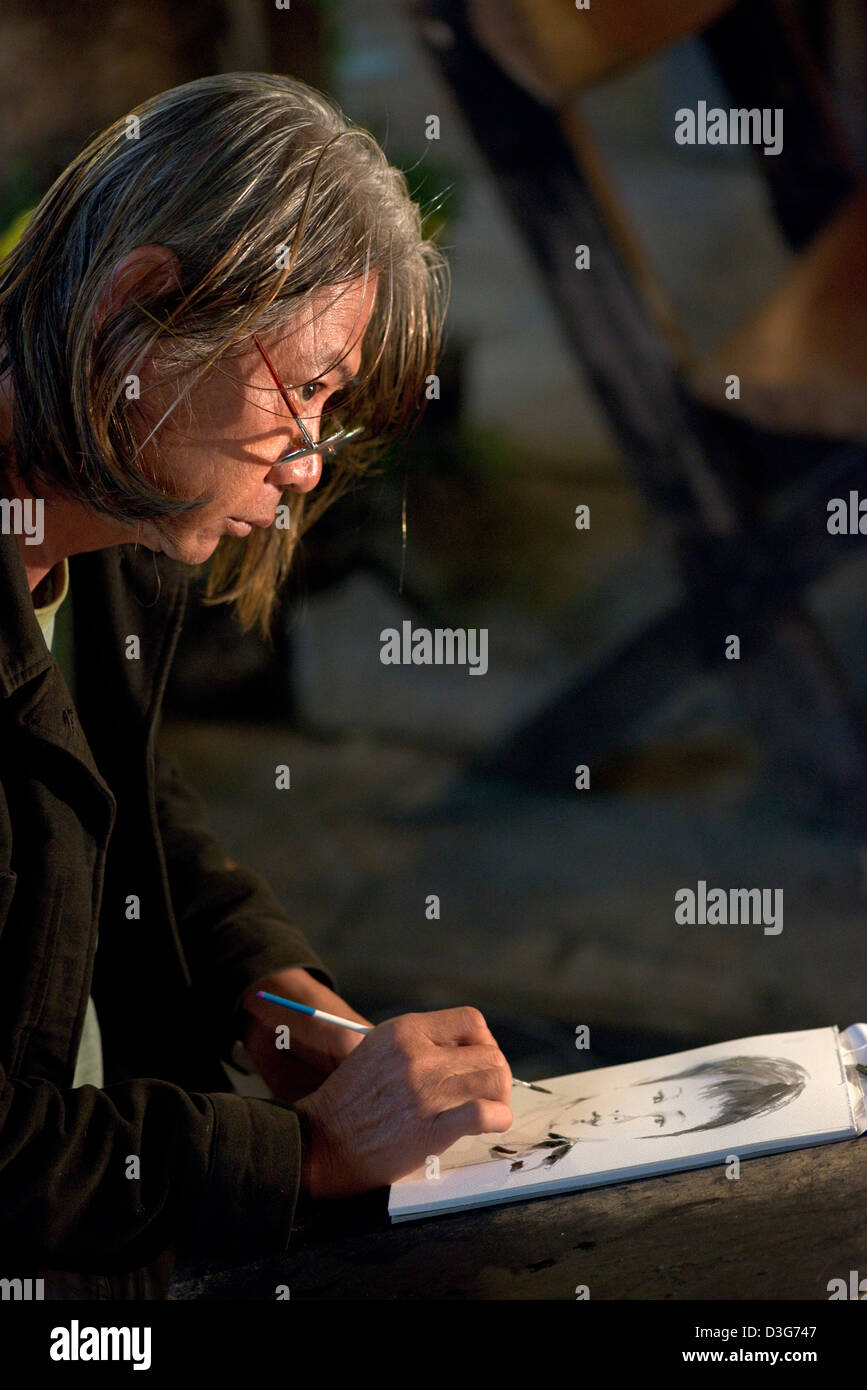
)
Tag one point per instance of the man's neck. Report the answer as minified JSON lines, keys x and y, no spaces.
{"x":69,"y":529}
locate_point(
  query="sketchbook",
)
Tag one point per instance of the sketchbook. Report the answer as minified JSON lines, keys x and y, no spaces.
{"x":685,"y":1110}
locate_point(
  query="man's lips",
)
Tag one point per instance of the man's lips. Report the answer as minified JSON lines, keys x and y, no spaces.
{"x":242,"y":526}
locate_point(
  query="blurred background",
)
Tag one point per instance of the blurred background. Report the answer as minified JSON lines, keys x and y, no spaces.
{"x":560,"y":387}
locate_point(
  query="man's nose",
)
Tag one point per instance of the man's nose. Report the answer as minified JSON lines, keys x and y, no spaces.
{"x":298,"y":475}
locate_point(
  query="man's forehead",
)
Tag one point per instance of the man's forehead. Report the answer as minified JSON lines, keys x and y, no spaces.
{"x":329,"y":328}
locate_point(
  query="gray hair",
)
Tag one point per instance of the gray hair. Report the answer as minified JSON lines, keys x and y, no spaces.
{"x":225,"y":172}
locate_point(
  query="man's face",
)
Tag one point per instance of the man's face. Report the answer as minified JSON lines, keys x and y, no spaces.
{"x":227,"y":440}
{"x":657,"y":1107}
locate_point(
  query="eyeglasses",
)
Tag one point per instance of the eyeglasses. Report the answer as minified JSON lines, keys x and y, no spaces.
{"x":325,"y":446}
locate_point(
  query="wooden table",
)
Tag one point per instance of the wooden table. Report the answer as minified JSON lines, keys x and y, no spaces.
{"x":788,"y":1225}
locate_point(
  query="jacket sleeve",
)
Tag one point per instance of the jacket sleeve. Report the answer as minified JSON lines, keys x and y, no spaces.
{"x":232,"y":926}
{"x":97,"y":1180}
{"x":216,"y":1174}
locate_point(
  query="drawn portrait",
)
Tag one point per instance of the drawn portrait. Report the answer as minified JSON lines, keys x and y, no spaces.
{"x":711,"y":1095}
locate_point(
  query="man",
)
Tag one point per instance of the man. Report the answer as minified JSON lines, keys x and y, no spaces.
{"x":210,"y":278}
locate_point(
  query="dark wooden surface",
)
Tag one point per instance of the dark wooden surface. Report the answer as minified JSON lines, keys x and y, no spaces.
{"x":788,"y":1225}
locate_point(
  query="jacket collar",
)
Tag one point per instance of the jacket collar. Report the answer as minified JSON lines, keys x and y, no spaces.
{"x":118,"y":592}
{"x":23,"y":653}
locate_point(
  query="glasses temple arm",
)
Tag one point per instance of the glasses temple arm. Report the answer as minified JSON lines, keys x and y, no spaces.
{"x":285,"y":395}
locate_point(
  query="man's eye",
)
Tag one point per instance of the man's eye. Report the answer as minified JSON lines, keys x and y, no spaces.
{"x":658,"y":1098}
{"x":308,"y":391}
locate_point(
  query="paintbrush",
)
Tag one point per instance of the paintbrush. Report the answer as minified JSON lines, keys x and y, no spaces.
{"x":356,"y":1027}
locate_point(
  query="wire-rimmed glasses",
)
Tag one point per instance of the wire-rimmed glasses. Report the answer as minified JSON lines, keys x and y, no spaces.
{"x":325,"y":446}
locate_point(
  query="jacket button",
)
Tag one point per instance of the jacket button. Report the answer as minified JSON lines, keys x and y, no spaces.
{"x":69,"y":719}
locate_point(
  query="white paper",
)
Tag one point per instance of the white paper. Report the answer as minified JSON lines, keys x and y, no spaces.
{"x":753,"y":1095}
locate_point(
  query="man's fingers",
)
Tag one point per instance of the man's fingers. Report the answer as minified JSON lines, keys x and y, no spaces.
{"x":448,"y":1027}
{"x":473,"y":1072}
{"x":474,"y":1117}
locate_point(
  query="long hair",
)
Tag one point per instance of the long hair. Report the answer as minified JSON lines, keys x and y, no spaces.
{"x":268,"y":196}
{"x":743,"y":1088}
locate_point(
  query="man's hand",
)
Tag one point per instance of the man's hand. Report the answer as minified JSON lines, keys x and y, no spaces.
{"x":316,"y":1048}
{"x":413,"y":1086}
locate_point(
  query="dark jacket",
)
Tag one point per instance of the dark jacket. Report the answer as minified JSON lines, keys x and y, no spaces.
{"x":90,"y":814}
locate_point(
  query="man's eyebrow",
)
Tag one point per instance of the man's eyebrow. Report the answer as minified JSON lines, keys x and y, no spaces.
{"x":344,"y":376}
{"x":340,"y":370}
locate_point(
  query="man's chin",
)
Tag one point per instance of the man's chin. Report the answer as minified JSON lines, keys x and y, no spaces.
{"x":187,"y":550}
{"x":198,"y":551}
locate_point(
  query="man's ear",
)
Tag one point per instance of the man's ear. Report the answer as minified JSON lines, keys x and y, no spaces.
{"x":144,"y":273}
